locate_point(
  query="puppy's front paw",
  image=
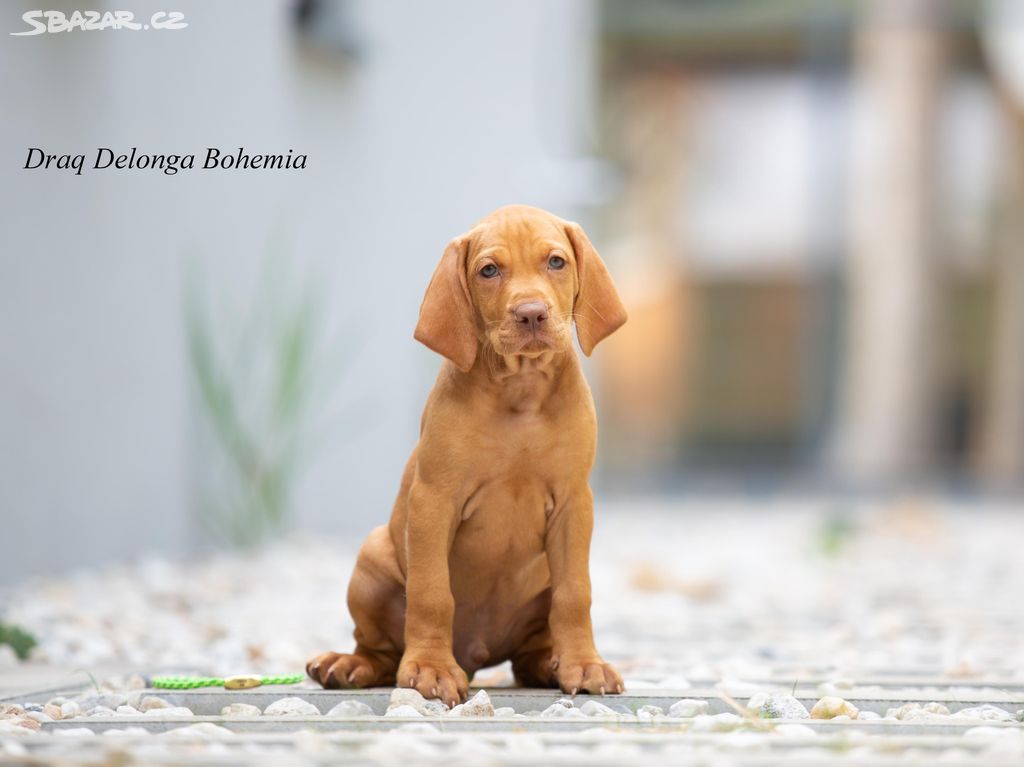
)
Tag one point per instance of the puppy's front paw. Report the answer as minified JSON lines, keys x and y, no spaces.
{"x":340,"y":670}
{"x":591,"y":675}
{"x":434,"y":677}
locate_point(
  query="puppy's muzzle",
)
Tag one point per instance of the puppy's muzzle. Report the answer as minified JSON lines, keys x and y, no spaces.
{"x":531,"y":316}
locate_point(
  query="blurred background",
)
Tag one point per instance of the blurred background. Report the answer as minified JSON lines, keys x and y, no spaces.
{"x":813,"y":211}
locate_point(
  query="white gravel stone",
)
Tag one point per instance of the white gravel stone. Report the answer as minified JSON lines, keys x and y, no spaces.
{"x":199,"y":730}
{"x":987,"y":712}
{"x":723,"y":722}
{"x":479,"y":705}
{"x":173,"y":711}
{"x":350,"y":708}
{"x":649,"y":713}
{"x":562,"y":709}
{"x":831,"y":707}
{"x":597,"y":710}
{"x":504,"y":711}
{"x":101,"y":711}
{"x":151,"y":702}
{"x":688,"y":707}
{"x":128,"y":711}
{"x":403,"y":710}
{"x":74,"y":732}
{"x":291,"y":707}
{"x":915,"y":712}
{"x":70,"y":710}
{"x":406,"y":696}
{"x":240,"y":709}
{"x":774,"y":705}
{"x":864,"y":716}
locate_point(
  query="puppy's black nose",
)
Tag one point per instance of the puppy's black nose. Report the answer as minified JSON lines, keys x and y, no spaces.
{"x":531,"y":314}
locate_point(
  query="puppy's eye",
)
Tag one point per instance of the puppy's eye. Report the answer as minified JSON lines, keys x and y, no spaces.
{"x":488,"y":271}
{"x":556,"y":262}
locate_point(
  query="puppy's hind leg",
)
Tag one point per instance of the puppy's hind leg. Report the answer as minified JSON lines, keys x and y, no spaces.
{"x":376,"y":599}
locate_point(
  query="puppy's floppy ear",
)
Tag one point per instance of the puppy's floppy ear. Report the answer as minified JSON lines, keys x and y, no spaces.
{"x":598,"y":311}
{"x":447,"y":321}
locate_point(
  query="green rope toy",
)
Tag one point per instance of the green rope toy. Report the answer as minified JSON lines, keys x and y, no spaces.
{"x":242,"y":682}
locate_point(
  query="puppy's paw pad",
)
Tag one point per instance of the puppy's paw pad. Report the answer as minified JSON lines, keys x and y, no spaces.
{"x":591,"y":675}
{"x":440,"y":678}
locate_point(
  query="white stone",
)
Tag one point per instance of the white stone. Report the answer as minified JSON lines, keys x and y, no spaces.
{"x":151,"y":702}
{"x":291,"y":707}
{"x":504,"y":711}
{"x":479,"y":705}
{"x":74,"y":732}
{"x":716,"y":722}
{"x":831,"y":707}
{"x":98,"y":711}
{"x":597,"y":710}
{"x":128,"y":711}
{"x":688,"y":707}
{"x":863,"y":716}
{"x":649,"y":713}
{"x":774,"y":705}
{"x":402,"y":710}
{"x":915,"y":712}
{"x":561,"y":709}
{"x":240,"y":709}
{"x":201,"y":730}
{"x":987,"y":712}
{"x":70,"y":710}
{"x":173,"y":711}
{"x":350,"y":708}
{"x":407,"y":696}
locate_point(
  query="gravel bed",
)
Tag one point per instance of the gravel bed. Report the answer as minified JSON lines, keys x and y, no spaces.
{"x":835,"y":633}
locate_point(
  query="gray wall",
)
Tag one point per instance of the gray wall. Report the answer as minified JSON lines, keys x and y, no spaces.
{"x":450,"y":109}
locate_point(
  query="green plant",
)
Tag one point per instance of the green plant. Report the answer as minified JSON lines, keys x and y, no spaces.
{"x":257,"y":384}
{"x":20,"y":640}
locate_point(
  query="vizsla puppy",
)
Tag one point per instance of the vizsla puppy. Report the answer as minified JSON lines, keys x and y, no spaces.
{"x":486,"y":555}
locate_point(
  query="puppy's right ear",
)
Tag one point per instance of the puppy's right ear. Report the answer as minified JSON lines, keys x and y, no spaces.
{"x":447,"y":321}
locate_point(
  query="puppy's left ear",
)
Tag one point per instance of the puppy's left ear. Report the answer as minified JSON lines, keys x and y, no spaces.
{"x":447,"y":321}
{"x":598,"y":310}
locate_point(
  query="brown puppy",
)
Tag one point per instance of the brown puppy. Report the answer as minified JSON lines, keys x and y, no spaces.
{"x":486,"y":555}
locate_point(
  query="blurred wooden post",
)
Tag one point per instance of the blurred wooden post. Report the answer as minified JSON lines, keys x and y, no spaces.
{"x":888,"y":417}
{"x":1002,"y":455}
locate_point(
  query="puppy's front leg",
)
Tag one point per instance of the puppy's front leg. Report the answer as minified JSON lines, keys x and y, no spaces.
{"x":429,"y":663}
{"x":575,"y":660}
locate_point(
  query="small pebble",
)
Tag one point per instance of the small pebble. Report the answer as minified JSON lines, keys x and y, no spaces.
{"x":864,"y":716}
{"x":151,"y":702}
{"x":649,"y":713}
{"x":773,"y":705}
{"x":504,"y":711}
{"x":202,"y":730}
{"x":716,"y":722}
{"x":350,"y":708}
{"x":53,"y":711}
{"x":406,"y":696}
{"x":987,"y":711}
{"x":831,"y":707}
{"x":128,"y":711}
{"x":70,"y":710}
{"x":101,"y":711}
{"x":240,"y":709}
{"x":563,"y":708}
{"x":74,"y":732}
{"x":688,"y":707}
{"x":479,"y":705}
{"x":172,"y":711}
{"x":38,"y":716}
{"x":291,"y":707}
{"x":598,"y":710}
{"x":402,"y":710}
